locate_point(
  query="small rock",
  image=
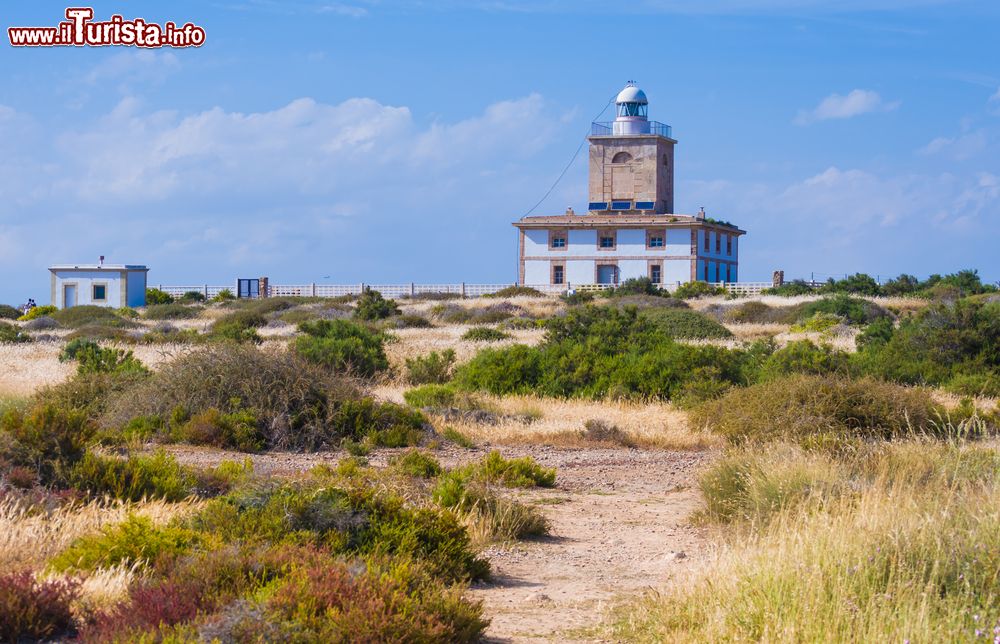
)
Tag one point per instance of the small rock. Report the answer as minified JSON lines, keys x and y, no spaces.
{"x":538,"y":598}
{"x":679,"y":555}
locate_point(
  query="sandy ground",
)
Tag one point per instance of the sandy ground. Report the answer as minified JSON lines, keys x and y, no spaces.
{"x":619,"y":523}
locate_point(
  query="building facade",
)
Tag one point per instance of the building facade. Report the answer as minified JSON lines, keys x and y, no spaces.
{"x":630,"y":229}
{"x":111,"y":285}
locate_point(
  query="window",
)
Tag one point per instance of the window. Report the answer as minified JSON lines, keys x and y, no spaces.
{"x":100,"y":293}
{"x":708,"y":237}
{"x":729,"y":272}
{"x":655,"y":273}
{"x":558,"y":274}
{"x":706,"y":271}
{"x":718,"y":243}
{"x":557,"y":240}
{"x":656,"y":238}
{"x":729,"y":244}
{"x":606,"y":239}
{"x":621,"y":157}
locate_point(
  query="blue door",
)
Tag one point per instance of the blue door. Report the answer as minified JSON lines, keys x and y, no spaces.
{"x":69,"y":295}
{"x":607,"y":274}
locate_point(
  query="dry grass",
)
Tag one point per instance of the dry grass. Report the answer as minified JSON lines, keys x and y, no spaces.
{"x":558,"y":422}
{"x":538,"y":307}
{"x":30,"y":538}
{"x":419,"y":342}
{"x":909,"y":557}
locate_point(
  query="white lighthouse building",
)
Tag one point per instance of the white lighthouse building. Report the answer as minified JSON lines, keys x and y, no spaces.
{"x":630,"y":229}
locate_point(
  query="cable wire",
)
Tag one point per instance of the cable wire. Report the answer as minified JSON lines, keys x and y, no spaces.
{"x":570,"y":164}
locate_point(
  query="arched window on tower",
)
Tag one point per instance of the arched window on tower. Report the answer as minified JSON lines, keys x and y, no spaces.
{"x":621,"y":157}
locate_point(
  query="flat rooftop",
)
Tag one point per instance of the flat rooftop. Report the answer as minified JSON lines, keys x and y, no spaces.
{"x":98,"y":267}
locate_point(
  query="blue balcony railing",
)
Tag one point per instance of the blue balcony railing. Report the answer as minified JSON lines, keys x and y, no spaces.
{"x":606,"y":128}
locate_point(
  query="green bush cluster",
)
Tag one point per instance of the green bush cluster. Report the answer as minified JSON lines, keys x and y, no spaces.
{"x":239,"y":326}
{"x":516,"y":291}
{"x":685,"y":323}
{"x":11,"y":334}
{"x":853,"y":310}
{"x":76,"y":317}
{"x":695,"y":289}
{"x":8,"y":312}
{"x":93,"y":358}
{"x":955,"y":285}
{"x":433,"y":368}
{"x":155,"y":476}
{"x":173,"y":311}
{"x":156,"y":296}
{"x":485,"y":334}
{"x":343,"y":347}
{"x":597,"y":351}
{"x":371,"y":306}
{"x":636,"y":286}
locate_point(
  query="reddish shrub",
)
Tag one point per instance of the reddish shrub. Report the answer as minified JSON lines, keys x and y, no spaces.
{"x":150,"y":605}
{"x":34,"y":610}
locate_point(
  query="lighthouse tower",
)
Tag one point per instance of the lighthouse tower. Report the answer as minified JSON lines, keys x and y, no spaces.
{"x":631,"y":159}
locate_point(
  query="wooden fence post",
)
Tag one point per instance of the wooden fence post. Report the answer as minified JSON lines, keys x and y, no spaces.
{"x":463,"y":289}
{"x":313,"y":285}
{"x":413,"y":290}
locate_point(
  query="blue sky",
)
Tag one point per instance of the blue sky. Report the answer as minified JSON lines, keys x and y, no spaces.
{"x":385,"y":141}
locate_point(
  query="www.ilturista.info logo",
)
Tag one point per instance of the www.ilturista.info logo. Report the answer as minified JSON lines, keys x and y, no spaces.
{"x":79,"y":30}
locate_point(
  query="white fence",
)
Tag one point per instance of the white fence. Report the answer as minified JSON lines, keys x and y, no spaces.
{"x":415,"y":290}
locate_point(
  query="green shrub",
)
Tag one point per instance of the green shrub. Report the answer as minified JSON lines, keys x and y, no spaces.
{"x":391,"y":603}
{"x":133,"y":479}
{"x":292,"y":401}
{"x":76,"y":317}
{"x":818,"y":323}
{"x":38,"y":311}
{"x":171,"y":312}
{"x":986,"y":383}
{"x":92,"y":358}
{"x":410,"y":321}
{"x":156,"y":296}
{"x":485,"y":334}
{"x":10,"y":334}
{"x":225,"y":295}
{"x":578,"y":297}
{"x":372,"y":306}
{"x":684,"y":323}
{"x":691,"y":290}
{"x":192,"y":296}
{"x":239,"y":430}
{"x":814,"y":409}
{"x":46,"y":439}
{"x":126,"y":312}
{"x":440,"y":397}
{"x":516,"y":291}
{"x":378,"y":424}
{"x":936,"y":344}
{"x":35,"y":610}
{"x":434,"y":368}
{"x":858,"y":284}
{"x":239,"y":326}
{"x":802,"y":356}
{"x":417,"y":463}
{"x":8,"y":312}
{"x":851,"y":309}
{"x":134,"y":541}
{"x":342,"y":346}
{"x":636,"y":286}
{"x":791,"y":289}
{"x":495,"y":469}
{"x":876,"y":335}
{"x":457,"y":437}
{"x":598,"y":351}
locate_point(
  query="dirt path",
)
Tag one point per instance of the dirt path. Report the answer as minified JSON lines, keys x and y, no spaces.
{"x":618,"y":523}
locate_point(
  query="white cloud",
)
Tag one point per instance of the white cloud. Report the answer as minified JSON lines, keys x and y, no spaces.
{"x":835,"y":106}
{"x":959,"y":148}
{"x":996,"y":97}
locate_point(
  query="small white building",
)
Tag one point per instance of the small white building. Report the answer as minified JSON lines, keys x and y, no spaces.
{"x":630,"y":229}
{"x":111,"y":285}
